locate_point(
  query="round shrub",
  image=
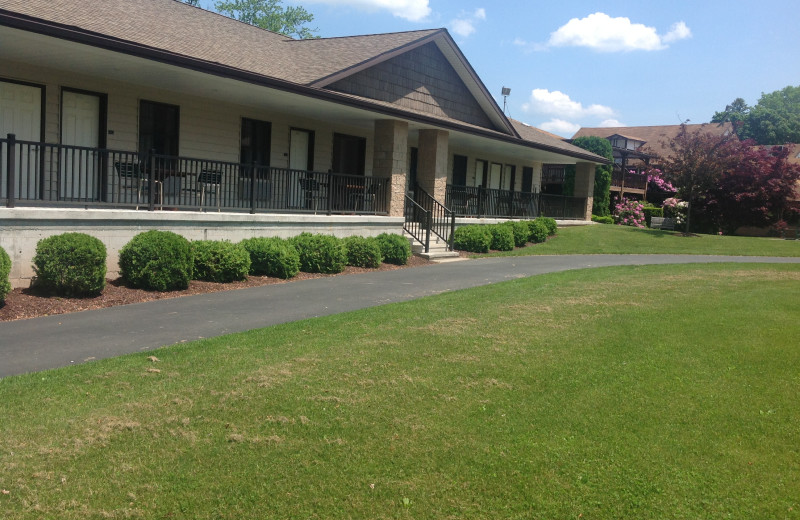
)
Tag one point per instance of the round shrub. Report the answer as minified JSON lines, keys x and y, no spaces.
{"x":550,"y":224}
{"x":70,"y":264}
{"x":220,"y":261}
{"x":272,"y":256}
{"x":473,"y":238}
{"x":502,"y":237}
{"x":320,"y":253}
{"x":521,"y":232}
{"x":538,"y":231}
{"x":395,"y":249}
{"x":5,"y":269}
{"x":157,"y":261}
{"x":363,"y":252}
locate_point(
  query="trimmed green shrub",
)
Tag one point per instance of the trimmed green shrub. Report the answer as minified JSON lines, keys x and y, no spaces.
{"x":320,"y":253}
{"x":473,"y":238}
{"x":608,"y":219}
{"x":272,"y":256}
{"x":395,"y":249}
{"x":363,"y":252}
{"x":157,"y":261}
{"x":521,"y":232}
{"x":502,"y":237}
{"x":220,"y":261}
{"x":538,"y":231}
{"x":550,"y":224}
{"x":70,"y":264}
{"x":650,"y":212}
{"x":5,"y":269}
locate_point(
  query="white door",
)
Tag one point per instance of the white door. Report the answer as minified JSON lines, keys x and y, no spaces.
{"x":299,"y":141}
{"x":21,"y":115}
{"x":495,"y":176}
{"x":506,"y":184}
{"x":80,"y":126}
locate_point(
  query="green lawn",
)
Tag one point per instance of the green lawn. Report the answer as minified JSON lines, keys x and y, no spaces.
{"x":630,"y":392}
{"x":610,"y":239}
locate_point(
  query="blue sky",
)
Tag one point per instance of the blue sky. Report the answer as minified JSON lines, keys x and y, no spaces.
{"x":580,"y":63}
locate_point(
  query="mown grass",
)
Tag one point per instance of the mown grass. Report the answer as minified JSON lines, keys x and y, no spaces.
{"x":647,"y":392}
{"x":610,"y":239}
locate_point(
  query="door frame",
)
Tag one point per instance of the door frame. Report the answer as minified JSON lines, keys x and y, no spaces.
{"x":42,"y":102}
{"x":102,"y":130}
{"x":310,"y":158}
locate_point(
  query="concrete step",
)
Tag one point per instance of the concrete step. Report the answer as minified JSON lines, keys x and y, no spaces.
{"x":437,"y":252}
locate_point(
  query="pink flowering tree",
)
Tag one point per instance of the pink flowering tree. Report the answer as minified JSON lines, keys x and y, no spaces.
{"x":629,"y":213}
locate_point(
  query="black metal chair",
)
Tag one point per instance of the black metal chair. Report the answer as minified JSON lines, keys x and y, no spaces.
{"x":211,"y":180}
{"x":132,"y":175}
{"x":312,"y":191}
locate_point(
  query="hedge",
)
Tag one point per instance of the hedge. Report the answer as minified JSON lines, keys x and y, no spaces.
{"x":395,"y":249}
{"x":272,"y":256}
{"x":220,"y":261}
{"x":363,"y":252}
{"x":5,"y":269}
{"x":320,"y":253}
{"x":157,"y":261}
{"x":473,"y":238}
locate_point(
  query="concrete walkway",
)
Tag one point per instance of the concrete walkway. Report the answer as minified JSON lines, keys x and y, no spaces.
{"x":55,"y":341}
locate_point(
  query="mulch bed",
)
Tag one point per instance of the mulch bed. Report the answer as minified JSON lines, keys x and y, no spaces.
{"x":24,"y":303}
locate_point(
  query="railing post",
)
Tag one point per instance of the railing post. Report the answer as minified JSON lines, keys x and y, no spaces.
{"x":253,"y":189}
{"x":151,"y":177}
{"x":330,"y":193}
{"x":452,"y":230}
{"x":428,"y":220}
{"x":11,"y":184}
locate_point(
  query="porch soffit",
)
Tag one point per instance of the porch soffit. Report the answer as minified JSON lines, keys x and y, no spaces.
{"x":25,"y":48}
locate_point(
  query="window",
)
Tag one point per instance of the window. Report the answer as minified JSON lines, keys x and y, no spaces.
{"x":459,"y":170}
{"x":349,"y":154}
{"x":527,"y":179}
{"x":158,"y":128}
{"x":255,"y":145}
{"x":481,"y":170}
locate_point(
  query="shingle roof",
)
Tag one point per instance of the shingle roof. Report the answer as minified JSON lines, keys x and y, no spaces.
{"x":541,"y":137}
{"x":190,"y":31}
{"x":653,"y":135}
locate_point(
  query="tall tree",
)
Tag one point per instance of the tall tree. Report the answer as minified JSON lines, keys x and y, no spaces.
{"x":775,"y":119}
{"x":734,"y":113}
{"x":192,"y":2}
{"x":695,"y":162}
{"x":270,"y":15}
{"x":602,"y":173}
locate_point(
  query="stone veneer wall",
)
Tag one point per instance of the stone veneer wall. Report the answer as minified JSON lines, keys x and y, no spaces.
{"x":421,"y":79}
{"x":22,"y":228}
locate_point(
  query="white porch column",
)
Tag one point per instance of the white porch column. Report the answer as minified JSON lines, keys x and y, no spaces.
{"x":390,"y":160}
{"x":434,"y":150}
{"x":584,"y":185}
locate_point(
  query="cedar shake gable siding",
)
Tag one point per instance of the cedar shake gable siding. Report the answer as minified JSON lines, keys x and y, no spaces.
{"x":420,"y":79}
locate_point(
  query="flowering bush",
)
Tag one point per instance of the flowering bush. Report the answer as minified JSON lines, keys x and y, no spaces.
{"x":656,"y":182}
{"x":629,"y":213}
{"x":676,"y":208}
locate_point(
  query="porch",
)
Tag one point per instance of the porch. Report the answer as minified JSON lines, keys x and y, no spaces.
{"x":44,"y":174}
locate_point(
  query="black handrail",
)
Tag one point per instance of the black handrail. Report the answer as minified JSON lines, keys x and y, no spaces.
{"x":443,"y":221}
{"x":417,"y":223}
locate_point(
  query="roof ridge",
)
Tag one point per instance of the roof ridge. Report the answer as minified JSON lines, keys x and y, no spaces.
{"x":355,"y":36}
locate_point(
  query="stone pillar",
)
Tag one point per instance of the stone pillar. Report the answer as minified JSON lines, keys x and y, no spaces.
{"x":434,"y":151}
{"x":584,"y":185}
{"x":390,"y":160}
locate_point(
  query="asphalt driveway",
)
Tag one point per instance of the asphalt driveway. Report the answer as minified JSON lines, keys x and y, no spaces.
{"x":56,"y":341}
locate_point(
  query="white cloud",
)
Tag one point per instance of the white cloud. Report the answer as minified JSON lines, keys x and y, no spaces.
{"x":560,"y":127}
{"x":609,"y":123}
{"x":558,"y":104}
{"x":412,"y":10}
{"x":464,"y":25}
{"x":600,"y":32}
{"x":678,"y":31}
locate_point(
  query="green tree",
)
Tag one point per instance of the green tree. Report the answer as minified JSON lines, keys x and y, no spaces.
{"x":602,"y":173}
{"x":192,"y":2}
{"x":735,"y":113}
{"x":270,"y":15}
{"x":775,"y":119}
{"x":695,"y":163}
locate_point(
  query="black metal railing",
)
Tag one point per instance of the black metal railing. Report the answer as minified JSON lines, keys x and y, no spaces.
{"x":442,"y":220}
{"x":417,"y":223}
{"x":636,"y":181}
{"x":561,"y":207}
{"x":44,"y":173}
{"x":485,"y":202}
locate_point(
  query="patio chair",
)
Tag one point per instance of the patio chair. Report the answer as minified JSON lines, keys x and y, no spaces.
{"x":312,"y":191}
{"x":132,"y":176}
{"x":210,"y":180}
